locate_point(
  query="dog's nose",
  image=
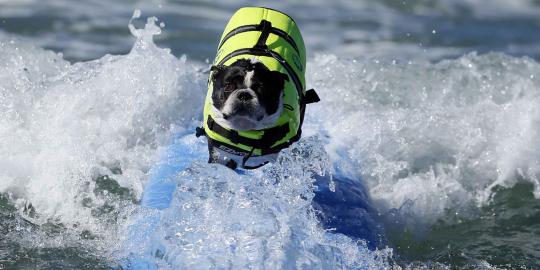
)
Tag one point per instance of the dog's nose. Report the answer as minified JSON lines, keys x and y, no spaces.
{"x":244,"y":96}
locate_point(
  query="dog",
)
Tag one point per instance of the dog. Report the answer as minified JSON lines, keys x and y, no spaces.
{"x":256,"y":95}
{"x":247,"y":95}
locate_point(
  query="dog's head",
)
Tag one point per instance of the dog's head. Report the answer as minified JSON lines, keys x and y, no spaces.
{"x":247,"y":95}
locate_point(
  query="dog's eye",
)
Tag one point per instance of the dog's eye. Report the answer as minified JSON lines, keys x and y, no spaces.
{"x":229,"y":87}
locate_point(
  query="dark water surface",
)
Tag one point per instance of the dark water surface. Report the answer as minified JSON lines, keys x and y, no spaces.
{"x":84,"y":30}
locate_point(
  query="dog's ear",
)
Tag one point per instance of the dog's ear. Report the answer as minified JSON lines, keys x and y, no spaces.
{"x":217,"y":70}
{"x":280,"y":75}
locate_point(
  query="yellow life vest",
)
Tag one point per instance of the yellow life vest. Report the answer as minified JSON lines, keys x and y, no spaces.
{"x":274,"y":39}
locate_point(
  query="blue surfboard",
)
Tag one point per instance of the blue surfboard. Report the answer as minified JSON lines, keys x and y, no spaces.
{"x":140,"y":249}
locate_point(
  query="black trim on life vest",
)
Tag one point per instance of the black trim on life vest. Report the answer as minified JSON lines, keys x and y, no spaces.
{"x":255,"y":27}
{"x":231,"y":164}
{"x":269,"y":137}
{"x":286,"y":37}
{"x":269,"y":53}
{"x":241,"y":152}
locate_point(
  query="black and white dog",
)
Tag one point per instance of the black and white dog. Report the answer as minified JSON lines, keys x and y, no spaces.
{"x":247,"y":95}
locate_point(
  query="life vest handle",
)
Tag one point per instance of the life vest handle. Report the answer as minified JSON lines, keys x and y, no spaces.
{"x":265,"y":27}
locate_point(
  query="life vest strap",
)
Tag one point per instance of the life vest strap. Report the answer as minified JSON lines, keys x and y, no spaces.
{"x":256,"y":27}
{"x":269,"y":137}
{"x":241,"y":152}
{"x":311,"y":97}
{"x":199,"y":131}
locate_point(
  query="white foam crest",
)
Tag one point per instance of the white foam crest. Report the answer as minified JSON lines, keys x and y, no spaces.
{"x":63,"y":125}
{"x":219,"y":219}
{"x":425,"y":137}
{"x":145,"y":36}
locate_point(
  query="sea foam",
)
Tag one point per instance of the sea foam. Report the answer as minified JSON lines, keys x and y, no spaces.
{"x":427,"y":137}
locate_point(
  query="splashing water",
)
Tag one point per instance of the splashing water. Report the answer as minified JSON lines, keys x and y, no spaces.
{"x":220,"y":219}
{"x":78,"y":128}
{"x":430,"y":137}
{"x":65,"y":127}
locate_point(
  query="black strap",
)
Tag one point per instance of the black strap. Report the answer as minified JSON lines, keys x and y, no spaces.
{"x":311,"y":97}
{"x":255,"y":27}
{"x":274,"y":134}
{"x":269,"y":137}
{"x":199,"y":131}
{"x":265,"y":27}
{"x":265,"y":151}
{"x":247,"y":156}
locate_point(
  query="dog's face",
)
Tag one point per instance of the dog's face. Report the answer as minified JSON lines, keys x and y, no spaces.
{"x":247,"y":95}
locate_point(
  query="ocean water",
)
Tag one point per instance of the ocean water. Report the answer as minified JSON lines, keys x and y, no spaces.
{"x":423,"y":153}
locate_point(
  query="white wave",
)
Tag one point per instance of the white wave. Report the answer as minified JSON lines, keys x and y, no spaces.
{"x":425,"y":137}
{"x":63,"y":125}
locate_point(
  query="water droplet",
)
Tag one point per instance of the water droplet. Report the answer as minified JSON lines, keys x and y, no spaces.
{"x":136,"y":14}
